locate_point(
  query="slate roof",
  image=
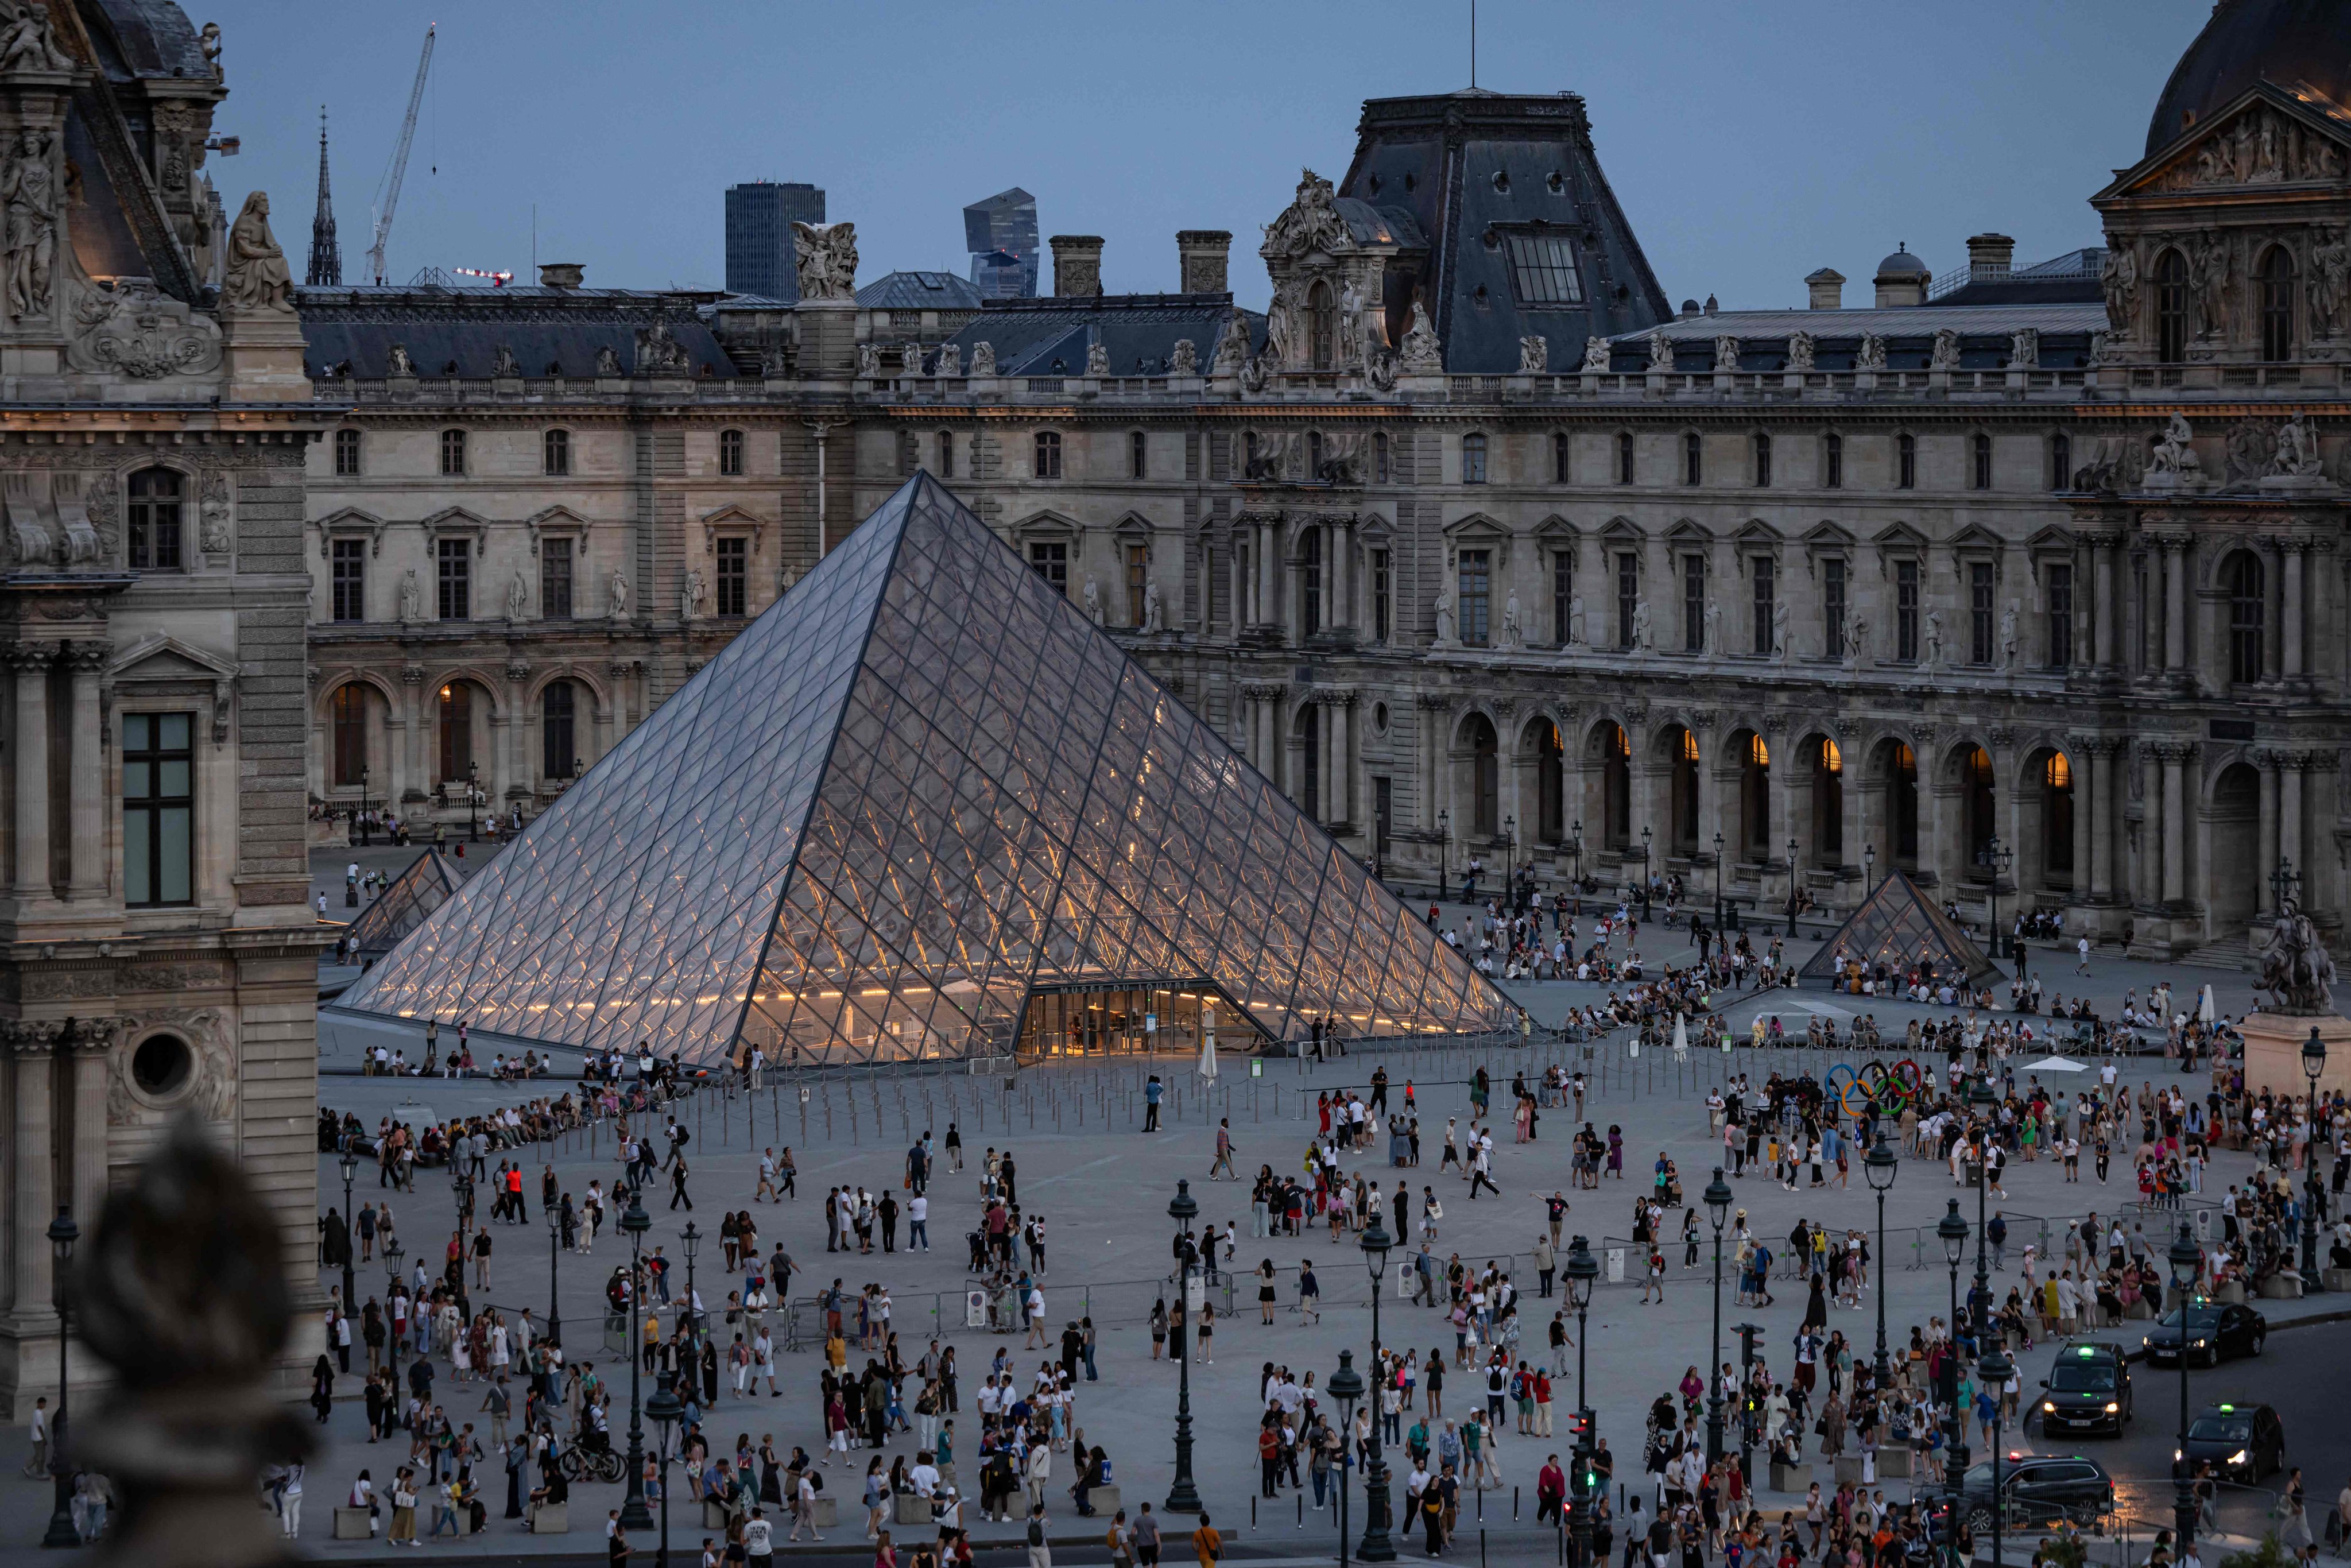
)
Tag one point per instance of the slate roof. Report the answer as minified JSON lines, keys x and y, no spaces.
{"x":565,"y":328}
{"x":919,"y":291}
{"x":2301,"y":45}
{"x":1909,"y":331}
{"x":1049,"y":337}
{"x":136,"y":38}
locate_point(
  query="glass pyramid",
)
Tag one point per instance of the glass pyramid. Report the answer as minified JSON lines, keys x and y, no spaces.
{"x":1898,"y":925}
{"x":401,"y":907}
{"x":919,"y":789}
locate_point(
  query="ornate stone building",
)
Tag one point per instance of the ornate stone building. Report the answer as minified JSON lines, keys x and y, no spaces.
{"x":2023,"y":579}
{"x":156,"y":955}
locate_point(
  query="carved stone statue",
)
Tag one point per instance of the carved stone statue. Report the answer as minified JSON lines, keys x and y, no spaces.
{"x":1534,"y":355}
{"x":2024,"y":349}
{"x":2297,"y":970}
{"x":1183,"y":360}
{"x":608,"y":362}
{"x":1644,"y":627}
{"x":1801,"y":347}
{"x":1311,"y":221}
{"x":255,"y":277}
{"x":518,"y":596}
{"x":1596,"y":356}
{"x":1155,"y":607}
{"x":1934,"y":639}
{"x":503,"y":363}
{"x":1283,"y":344}
{"x":1380,"y":369}
{"x":2249,"y":453}
{"x":1726,"y":355}
{"x":690,"y":595}
{"x":1444,"y":636}
{"x":212,"y":513}
{"x":1097,"y":358}
{"x":2330,"y":284}
{"x":1871,"y":355}
{"x":869,"y":362}
{"x":1781,"y":650}
{"x":2207,"y":278}
{"x":1713,"y":628}
{"x":2174,"y":449}
{"x":1661,"y":353}
{"x":1514,"y":634}
{"x":29,"y":245}
{"x":950,"y":359}
{"x":1421,"y":356}
{"x":1857,"y":642}
{"x":1093,"y":601}
{"x":2119,"y":278}
{"x":209,"y":39}
{"x":1351,"y":339}
{"x":617,"y":597}
{"x":910,"y":359}
{"x":27,"y":45}
{"x":1232,"y":347}
{"x":412,"y":598}
{"x":398,"y":363}
{"x":659,"y":353}
{"x":2296,"y":456}
{"x":983,"y":359}
{"x":2007,"y":636}
{"x":1945,"y":355}
{"x":825,"y":255}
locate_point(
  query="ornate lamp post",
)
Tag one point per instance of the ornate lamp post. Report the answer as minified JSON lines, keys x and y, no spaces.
{"x":1792,"y":887}
{"x":1719,"y":1198}
{"x":1184,"y":1208}
{"x":2186,"y":1261}
{"x":1750,"y":1335}
{"x":1582,"y":1272}
{"x":1992,"y":1372}
{"x":634,"y":1223}
{"x":1376,"y":1547}
{"x":1575,"y":849}
{"x":1952,"y":1231}
{"x":1444,"y":851}
{"x":554,"y":1261}
{"x":1997,"y":858}
{"x":367,"y":829}
{"x":350,"y":1163}
{"x":392,"y":1255}
{"x":473,"y":806}
{"x":1644,"y":871}
{"x":1981,"y":1099}
{"x":1868,"y":864}
{"x":666,"y":1409}
{"x":1510,"y":861}
{"x":63,"y":1234}
{"x":1346,"y":1385}
{"x":692,"y":1237}
{"x":1717,"y":882}
{"x":1881,"y":1166}
{"x":2313,"y":1068}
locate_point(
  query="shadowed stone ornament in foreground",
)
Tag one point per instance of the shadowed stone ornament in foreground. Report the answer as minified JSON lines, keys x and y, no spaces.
{"x":182,"y":1291}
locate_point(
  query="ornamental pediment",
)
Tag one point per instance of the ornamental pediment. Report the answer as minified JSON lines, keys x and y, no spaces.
{"x":2268,"y":137}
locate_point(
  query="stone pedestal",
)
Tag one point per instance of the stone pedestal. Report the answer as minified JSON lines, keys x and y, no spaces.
{"x":261,"y":356}
{"x":828,"y":334}
{"x":2273,"y":1044}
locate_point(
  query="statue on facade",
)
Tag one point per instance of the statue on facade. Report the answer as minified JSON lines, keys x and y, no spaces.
{"x":518,"y":596}
{"x":28,"y":44}
{"x":1574,"y":620}
{"x":2208,"y":280}
{"x":950,"y":360}
{"x":1871,"y":355}
{"x":1781,"y":650}
{"x":1352,"y":342}
{"x":1802,"y":346}
{"x":1857,"y":642}
{"x":256,"y":277}
{"x":869,"y":362}
{"x":1514,"y":634}
{"x":2330,"y":284}
{"x":29,"y":245}
{"x":2118,"y":276}
{"x":1945,"y":355}
{"x":1713,"y":628}
{"x":1934,"y":639}
{"x":412,"y":598}
{"x":983,"y":359}
{"x":1534,"y":355}
{"x":1098,"y":358}
{"x":2247,"y":449}
{"x":2024,"y":349}
{"x":212,"y":531}
{"x":608,"y":362}
{"x":1644,"y":627}
{"x":1661,"y":353}
{"x":2296,"y":969}
{"x":1311,"y":221}
{"x":1093,"y":601}
{"x":690,"y":595}
{"x":659,"y":353}
{"x":910,"y":359}
{"x":503,"y":363}
{"x":2007,"y":636}
{"x":1421,"y":356}
{"x":825,"y":256}
{"x":1232,"y":347}
{"x":1444,"y":628}
{"x":1183,"y":360}
{"x":2175,"y":452}
{"x":617,"y":597}
{"x":2296,"y":456}
{"x":397,"y":363}
{"x":1154,"y":607}
{"x":1282,"y":338}
{"x":1726,"y":355}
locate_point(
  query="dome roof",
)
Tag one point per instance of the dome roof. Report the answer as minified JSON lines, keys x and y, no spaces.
{"x":1902,"y":264}
{"x":2291,"y":42}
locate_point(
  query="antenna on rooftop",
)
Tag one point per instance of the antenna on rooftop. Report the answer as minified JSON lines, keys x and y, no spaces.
{"x":1473,"y":44}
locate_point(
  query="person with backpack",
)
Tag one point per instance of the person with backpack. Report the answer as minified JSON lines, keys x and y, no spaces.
{"x":1040,"y":1550}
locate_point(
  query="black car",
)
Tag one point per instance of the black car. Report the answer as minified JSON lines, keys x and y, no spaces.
{"x":2241,"y":1442}
{"x":2087,"y":1390}
{"x":2040,"y":1488}
{"x":2216,"y":1330}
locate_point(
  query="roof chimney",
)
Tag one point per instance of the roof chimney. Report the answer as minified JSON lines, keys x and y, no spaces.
{"x":1902,"y":280}
{"x":1689,"y":311}
{"x":1202,"y":258}
{"x":560,"y":274}
{"x":1990,"y":255}
{"x":1826,"y":287}
{"x":1077,"y":267}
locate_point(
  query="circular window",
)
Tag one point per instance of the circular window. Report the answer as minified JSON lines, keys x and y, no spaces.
{"x":162,"y":1064}
{"x":1380,"y":717}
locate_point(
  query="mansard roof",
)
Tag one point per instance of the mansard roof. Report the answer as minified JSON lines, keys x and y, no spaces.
{"x":1986,"y":336}
{"x":566,"y":328}
{"x":1048,"y":337}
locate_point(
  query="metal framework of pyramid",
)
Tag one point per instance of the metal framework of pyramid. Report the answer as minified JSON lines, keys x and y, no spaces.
{"x":1898,"y":925}
{"x":427,"y":885}
{"x":919,"y":789}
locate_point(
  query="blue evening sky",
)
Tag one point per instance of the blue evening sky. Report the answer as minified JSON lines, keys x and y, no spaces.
{"x":1748,"y":142}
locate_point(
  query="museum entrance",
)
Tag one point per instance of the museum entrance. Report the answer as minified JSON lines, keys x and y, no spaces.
{"x":1131,"y":1019}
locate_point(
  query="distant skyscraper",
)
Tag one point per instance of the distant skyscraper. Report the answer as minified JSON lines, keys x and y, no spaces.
{"x":759,"y":218}
{"x":326,"y":256}
{"x":1001,"y":234}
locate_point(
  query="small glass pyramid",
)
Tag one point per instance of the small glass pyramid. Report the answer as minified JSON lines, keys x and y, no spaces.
{"x":1898,"y":925}
{"x":407,"y":903}
{"x":921,"y":791}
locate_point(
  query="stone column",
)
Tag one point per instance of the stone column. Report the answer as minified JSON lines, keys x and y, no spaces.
{"x":2101,"y":558}
{"x":1328,"y":611}
{"x":1343,"y":761}
{"x":31,"y":760}
{"x":1429,"y":711}
{"x":2267,"y":850}
{"x":1269,"y":574}
{"x":2290,"y":766}
{"x":85,"y":1057}
{"x":86,"y":817}
{"x":2077,"y":754}
{"x":2175,"y":605}
{"x":2291,"y":654}
{"x":31,"y":1164}
{"x":1351,"y":610}
{"x":2175,"y":819}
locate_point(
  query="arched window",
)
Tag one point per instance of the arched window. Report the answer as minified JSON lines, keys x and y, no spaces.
{"x":2057,"y":815}
{"x":457,"y":734}
{"x":2276,"y":275}
{"x":1693,"y":454}
{"x":1623,"y":457}
{"x":1980,"y":451}
{"x":350,"y":735}
{"x":1828,"y":805}
{"x":1755,"y":799}
{"x":1473,"y":459}
{"x":1684,"y":793}
{"x":2242,"y":578}
{"x":151,"y":528}
{"x":730,"y":453}
{"x":2171,"y":307}
{"x":555,"y":452}
{"x":1322,"y":326}
{"x":1550,"y":778}
{"x":1975,"y":785}
{"x":1905,"y":461}
{"x":1559,"y":465}
{"x":1762,"y":461}
{"x":452,"y":452}
{"x":1485,"y":777}
{"x":1617,"y":786}
{"x":1902,"y":805}
{"x":1049,"y":455}
{"x":558,"y":735}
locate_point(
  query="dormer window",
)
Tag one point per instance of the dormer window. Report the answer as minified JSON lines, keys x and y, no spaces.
{"x":1544,"y":270}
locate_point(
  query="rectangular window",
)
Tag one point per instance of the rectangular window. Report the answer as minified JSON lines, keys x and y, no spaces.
{"x":1138,"y":452}
{"x":1052,"y":563}
{"x":1624,"y":457}
{"x":1982,"y":448}
{"x":559,"y":742}
{"x":1310,"y":581}
{"x":1832,"y":462}
{"x":555,"y":561}
{"x":456,"y":563}
{"x":153,"y":521}
{"x":1763,"y":462}
{"x":1694,"y":604}
{"x":452,"y":452}
{"x":1138,"y":580}
{"x":1563,"y":594}
{"x":1693,"y":459}
{"x":1379,"y":596}
{"x":730,"y":453}
{"x":947,"y":454}
{"x":555,"y":452}
{"x":1759,"y":576}
{"x":1380,"y":457}
{"x":1906,"y":612}
{"x":1628,"y":596}
{"x":351,"y":579}
{"x":347,"y":452}
{"x":734,"y":575}
{"x":1905,"y":461}
{"x":1979,"y":612}
{"x":350,"y":735}
{"x":1833,"y":606}
{"x":2060,"y":578}
{"x":1543,"y":272}
{"x":1476,"y":596}
{"x":159,"y":768}
{"x":1473,"y":460}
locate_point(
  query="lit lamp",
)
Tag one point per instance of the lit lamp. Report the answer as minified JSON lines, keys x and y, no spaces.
{"x":2186,"y":1261}
{"x":2313,"y":1068}
{"x":1719,"y":1198}
{"x":350,"y":1166}
{"x":1346,"y":1385}
{"x":1184,"y":1497}
{"x":391,"y":1256}
{"x":1868,"y":864}
{"x":1376,"y":1547}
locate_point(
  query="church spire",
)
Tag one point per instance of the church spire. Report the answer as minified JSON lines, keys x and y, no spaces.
{"x":326,"y":256}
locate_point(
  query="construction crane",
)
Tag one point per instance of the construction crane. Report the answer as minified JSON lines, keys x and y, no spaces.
{"x":389,"y":190}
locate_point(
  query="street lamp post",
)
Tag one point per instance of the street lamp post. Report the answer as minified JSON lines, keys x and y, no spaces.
{"x":1868,"y":864}
{"x":1982,"y":1099}
{"x":1644,"y":871}
{"x":392,"y":1255}
{"x":1952,"y":1231}
{"x":1881,"y":1166}
{"x":1748,"y":1334}
{"x":2313,"y":1068}
{"x":1184,"y":1497}
{"x":473,"y":802}
{"x":63,"y":1234}
{"x":1580,"y":1272}
{"x":2186,"y":1261}
{"x":1346,"y":1385}
{"x":553,"y":1262}
{"x":692,"y":1239}
{"x":1444,"y":851}
{"x":1376,"y":1546}
{"x":1992,"y":1372}
{"x":1717,"y":882}
{"x":1511,"y":862}
{"x":351,"y":1162}
{"x":666,"y":1409}
{"x":1718,"y":1208}
{"x":1792,"y":887}
{"x":1993,"y":852}
{"x":634,"y":1223}
{"x":1575,"y":849}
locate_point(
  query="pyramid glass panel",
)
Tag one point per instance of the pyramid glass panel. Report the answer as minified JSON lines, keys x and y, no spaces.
{"x":405,"y":905}
{"x":919,"y":792}
{"x":1898,"y":927}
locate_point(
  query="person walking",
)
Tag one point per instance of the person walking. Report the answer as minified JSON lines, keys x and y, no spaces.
{"x":1224,"y":1151}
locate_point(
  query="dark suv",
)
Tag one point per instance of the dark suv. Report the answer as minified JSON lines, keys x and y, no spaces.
{"x":2214,"y":1332}
{"x":2087,"y":1390}
{"x":2241,"y":1442}
{"x":2039,"y":1488}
